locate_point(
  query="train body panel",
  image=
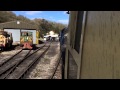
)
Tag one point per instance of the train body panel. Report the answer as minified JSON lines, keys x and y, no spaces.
{"x":93,"y":47}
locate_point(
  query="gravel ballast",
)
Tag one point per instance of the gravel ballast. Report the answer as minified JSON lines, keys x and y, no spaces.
{"x":46,"y":65}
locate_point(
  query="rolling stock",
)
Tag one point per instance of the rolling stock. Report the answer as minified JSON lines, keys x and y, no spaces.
{"x":26,"y":40}
{"x":6,"y":40}
{"x":93,"y":45}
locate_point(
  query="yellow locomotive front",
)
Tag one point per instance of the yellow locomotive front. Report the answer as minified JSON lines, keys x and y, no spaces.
{"x":26,"y":40}
{"x":2,"y":41}
{"x":5,"y":40}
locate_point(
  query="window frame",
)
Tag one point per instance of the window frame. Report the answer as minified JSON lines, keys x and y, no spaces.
{"x":80,"y":31}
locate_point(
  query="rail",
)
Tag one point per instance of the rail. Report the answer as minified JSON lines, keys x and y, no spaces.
{"x":22,"y":67}
{"x":54,"y":71}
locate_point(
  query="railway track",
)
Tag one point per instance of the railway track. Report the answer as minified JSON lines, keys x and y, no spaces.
{"x":16,"y":69}
{"x":8,"y":59}
{"x":12,"y":61}
{"x":54,"y":71}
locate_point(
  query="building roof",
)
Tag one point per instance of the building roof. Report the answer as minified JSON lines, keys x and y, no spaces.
{"x":18,"y":25}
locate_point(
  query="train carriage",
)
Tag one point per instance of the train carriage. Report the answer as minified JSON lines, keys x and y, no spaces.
{"x":93,"y":46}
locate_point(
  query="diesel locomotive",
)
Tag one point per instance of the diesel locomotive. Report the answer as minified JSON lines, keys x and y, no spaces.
{"x":6,"y":40}
{"x":26,"y":40}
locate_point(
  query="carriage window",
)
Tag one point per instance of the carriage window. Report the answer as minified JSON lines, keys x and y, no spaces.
{"x":78,"y":30}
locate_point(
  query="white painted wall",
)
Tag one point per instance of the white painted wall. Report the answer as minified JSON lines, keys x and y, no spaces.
{"x":15,"y":34}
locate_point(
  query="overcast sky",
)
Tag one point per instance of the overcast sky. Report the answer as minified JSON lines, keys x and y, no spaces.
{"x":57,"y":16}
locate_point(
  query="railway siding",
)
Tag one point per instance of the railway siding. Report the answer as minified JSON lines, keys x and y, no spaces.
{"x":21,"y":69}
{"x":13,"y":61}
{"x":46,"y":65}
{"x":7,"y":54}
